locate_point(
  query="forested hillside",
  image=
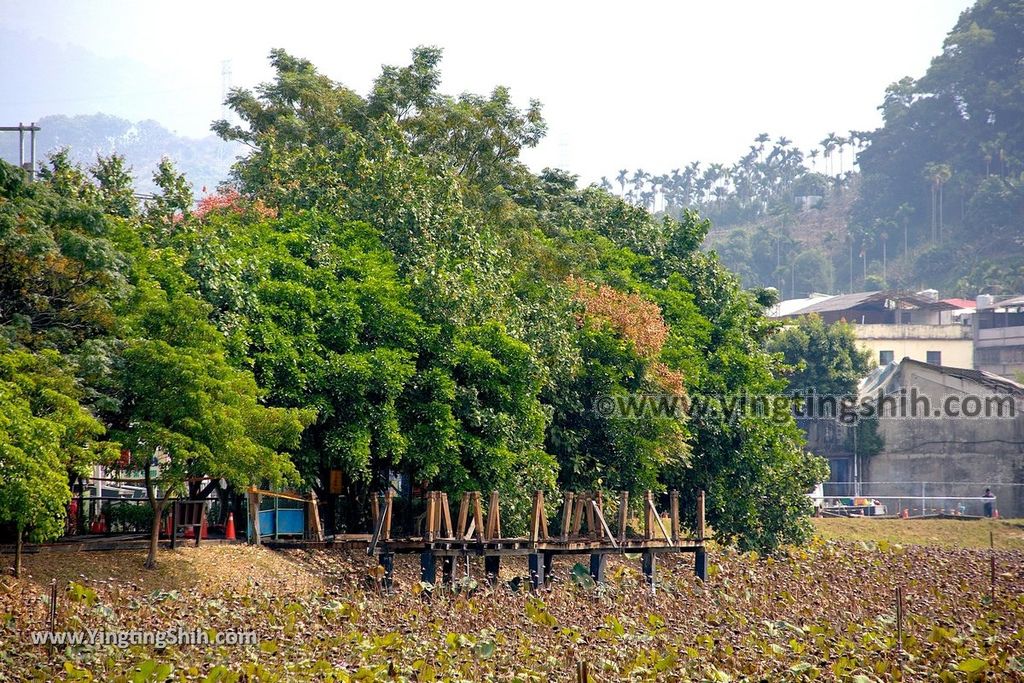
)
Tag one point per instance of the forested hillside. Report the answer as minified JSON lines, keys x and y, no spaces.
{"x":936,"y":198}
{"x":386,"y":288}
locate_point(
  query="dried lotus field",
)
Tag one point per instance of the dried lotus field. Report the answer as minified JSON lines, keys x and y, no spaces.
{"x":825,"y":611}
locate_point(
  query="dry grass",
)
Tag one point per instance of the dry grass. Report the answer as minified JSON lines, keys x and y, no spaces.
{"x":943,"y":533}
{"x":210,"y":570}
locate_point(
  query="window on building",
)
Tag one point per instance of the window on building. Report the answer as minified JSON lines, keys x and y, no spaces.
{"x":934,"y":358}
{"x":885,"y":357}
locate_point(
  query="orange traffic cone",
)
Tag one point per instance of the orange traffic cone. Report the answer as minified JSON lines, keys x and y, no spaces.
{"x":188,"y":532}
{"x":905,"y":514}
{"x":229,"y":530}
{"x":995,"y":514}
{"x":103,"y":524}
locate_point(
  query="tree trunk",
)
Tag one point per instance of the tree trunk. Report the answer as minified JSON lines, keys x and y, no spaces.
{"x":932,"y":226}
{"x":19,"y":546}
{"x":158,"y":504}
{"x":154,"y":534}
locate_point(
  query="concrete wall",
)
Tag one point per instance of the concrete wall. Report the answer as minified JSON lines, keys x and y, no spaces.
{"x":967,"y":474}
{"x":965,"y":454}
{"x":955,"y":342}
{"x":1000,"y":350}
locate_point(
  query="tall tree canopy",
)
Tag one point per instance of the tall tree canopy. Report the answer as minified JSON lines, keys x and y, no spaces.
{"x":388,"y":290}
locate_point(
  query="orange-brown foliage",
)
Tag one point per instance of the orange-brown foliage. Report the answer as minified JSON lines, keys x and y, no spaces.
{"x":636,"y":319}
{"x":630,"y":315}
{"x":232,"y":200}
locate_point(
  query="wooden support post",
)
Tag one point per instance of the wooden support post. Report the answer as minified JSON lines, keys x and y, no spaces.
{"x":700,"y":564}
{"x":447,"y":531}
{"x":428,"y":567}
{"x":650,"y":564}
{"x":375,"y":510}
{"x":592,"y":530}
{"x":315,"y":529}
{"x":378,"y":530}
{"x":623,"y":515}
{"x":463,"y":516}
{"x":577,"y":515}
{"x":448,"y":570}
{"x":478,"y":516}
{"x":598,"y":563}
{"x":657,"y":519}
{"x":254,"y":518}
{"x":549,"y":566}
{"x":494,"y":518}
{"x":428,"y":523}
{"x":605,"y":531}
{"x":389,"y":497}
{"x":537,"y":574}
{"x":492,"y":568}
{"x":538,"y":519}
{"x":673,"y":512}
{"x":438,"y":514}
{"x":543,"y":519}
{"x":277,"y":525}
{"x":534,"y":520}
{"x":648,"y":516}
{"x":567,"y":508}
{"x":700,"y":516}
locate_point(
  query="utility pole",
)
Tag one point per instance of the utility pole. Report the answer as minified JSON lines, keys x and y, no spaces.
{"x":21,"y":129}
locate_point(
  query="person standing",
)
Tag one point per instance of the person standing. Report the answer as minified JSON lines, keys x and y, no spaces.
{"x":989,"y":505}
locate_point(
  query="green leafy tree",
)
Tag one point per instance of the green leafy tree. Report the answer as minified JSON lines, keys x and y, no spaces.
{"x":185,"y":412}
{"x":45,"y":436}
{"x":173,"y":203}
{"x":823,"y":358}
{"x":60,"y":270}
{"x":116,"y":186}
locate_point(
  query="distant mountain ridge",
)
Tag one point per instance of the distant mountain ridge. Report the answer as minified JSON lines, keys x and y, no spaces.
{"x":205,"y":161}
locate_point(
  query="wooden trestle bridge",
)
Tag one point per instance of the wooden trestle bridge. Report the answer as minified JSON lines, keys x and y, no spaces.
{"x":584,"y":530}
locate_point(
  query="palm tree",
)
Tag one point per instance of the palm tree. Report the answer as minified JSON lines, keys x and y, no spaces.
{"x":903,"y":214}
{"x":849,"y":241}
{"x":944,"y":174}
{"x":829,"y":144}
{"x":606,"y":184}
{"x":813,"y":154}
{"x":639,"y":179}
{"x":883,"y":237}
{"x":865,"y":243}
{"x":623,"y":173}
{"x":938,"y":175}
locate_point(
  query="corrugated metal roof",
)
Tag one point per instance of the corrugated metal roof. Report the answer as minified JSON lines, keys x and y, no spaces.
{"x":883,"y":376}
{"x":1012,"y":301}
{"x":843,"y":302}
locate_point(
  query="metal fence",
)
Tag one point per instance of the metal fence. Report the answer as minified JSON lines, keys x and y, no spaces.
{"x":920,"y":498}
{"x":107,"y":515}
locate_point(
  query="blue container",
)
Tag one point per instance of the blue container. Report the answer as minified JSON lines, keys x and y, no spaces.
{"x":282,"y":522}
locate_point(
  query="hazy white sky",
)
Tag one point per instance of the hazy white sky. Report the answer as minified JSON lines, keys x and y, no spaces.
{"x":624,"y":85}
